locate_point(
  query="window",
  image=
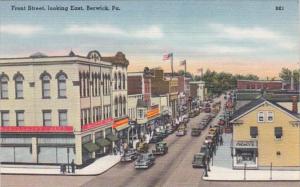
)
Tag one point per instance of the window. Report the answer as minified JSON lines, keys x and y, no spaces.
{"x":270,"y":116}
{"x":4,"y":87}
{"x":260,"y":117}
{"x":47,"y":118}
{"x":62,"y":86}
{"x":116,"y":107}
{"x":278,"y":132}
{"x":63,"y":117}
{"x":108,"y":131}
{"x":20,"y":118}
{"x":46,"y":86}
{"x":253,"y":132}
{"x":5,"y":118}
{"x":124,"y":105}
{"x":19,"y":86}
{"x":120,"y":81}
{"x":140,"y":113}
{"x":87,"y":138}
{"x":124,"y":85}
{"x":116,"y":81}
{"x":99,"y":134}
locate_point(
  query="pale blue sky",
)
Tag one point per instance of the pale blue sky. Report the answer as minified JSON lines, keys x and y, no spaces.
{"x":212,"y":34}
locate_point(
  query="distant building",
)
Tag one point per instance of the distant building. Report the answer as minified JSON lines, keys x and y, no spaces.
{"x":260,"y":85}
{"x":265,"y":133}
{"x":197,"y":90}
{"x":140,"y":84}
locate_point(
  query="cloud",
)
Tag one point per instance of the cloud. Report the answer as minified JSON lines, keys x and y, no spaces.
{"x":95,"y":29}
{"x":20,"y":29}
{"x":151,"y":32}
{"x":259,"y":34}
{"x":222,"y":49}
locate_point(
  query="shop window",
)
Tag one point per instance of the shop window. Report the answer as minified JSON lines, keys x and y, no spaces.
{"x":270,"y":116}
{"x":86,"y":139}
{"x":99,"y":134}
{"x":278,"y":132}
{"x":260,"y":117}
{"x":253,"y":132}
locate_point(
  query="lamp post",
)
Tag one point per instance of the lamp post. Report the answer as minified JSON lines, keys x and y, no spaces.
{"x":68,"y":153}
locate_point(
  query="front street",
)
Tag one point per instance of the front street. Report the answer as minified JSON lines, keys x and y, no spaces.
{"x":172,"y":169}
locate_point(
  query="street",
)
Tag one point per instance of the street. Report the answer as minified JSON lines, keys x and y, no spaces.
{"x":172,"y":169}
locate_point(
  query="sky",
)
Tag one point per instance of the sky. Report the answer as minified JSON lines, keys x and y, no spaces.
{"x":234,"y":36}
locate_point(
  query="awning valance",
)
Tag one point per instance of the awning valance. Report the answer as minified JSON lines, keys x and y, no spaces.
{"x":103,"y":142}
{"x":91,"y":147}
{"x":112,"y":137}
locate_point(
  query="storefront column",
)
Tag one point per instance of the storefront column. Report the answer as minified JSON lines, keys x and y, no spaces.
{"x":93,"y":140}
{"x":78,"y":150}
{"x":34,"y":150}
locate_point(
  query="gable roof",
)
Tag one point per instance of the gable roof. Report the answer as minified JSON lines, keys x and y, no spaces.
{"x":255,"y":104}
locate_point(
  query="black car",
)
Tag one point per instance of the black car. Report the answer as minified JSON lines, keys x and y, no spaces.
{"x":156,"y":138}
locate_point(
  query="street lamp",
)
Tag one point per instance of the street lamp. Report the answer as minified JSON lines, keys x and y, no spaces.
{"x":68,"y":153}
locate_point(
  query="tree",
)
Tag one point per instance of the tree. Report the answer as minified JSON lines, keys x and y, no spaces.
{"x":286,"y":75}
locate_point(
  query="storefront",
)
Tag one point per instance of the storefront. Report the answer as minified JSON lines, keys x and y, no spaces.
{"x":245,"y":153}
{"x":121,"y":129}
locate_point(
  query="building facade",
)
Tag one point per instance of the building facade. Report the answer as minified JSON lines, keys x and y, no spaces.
{"x":197,"y":90}
{"x":260,"y":85}
{"x":264,"y":134}
{"x":74,"y":121}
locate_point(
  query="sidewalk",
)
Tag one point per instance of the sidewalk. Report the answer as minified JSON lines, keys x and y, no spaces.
{"x":221,"y":170}
{"x":98,"y":167}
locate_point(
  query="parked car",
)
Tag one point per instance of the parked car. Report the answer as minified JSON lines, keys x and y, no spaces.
{"x":203,"y":149}
{"x":180,"y":132}
{"x":144,"y":160}
{"x":207,"y":110}
{"x":195,"y":132}
{"x":129,"y":155}
{"x":199,"y":160}
{"x":201,"y":126}
{"x":156,"y":138}
{"x":161,"y":148}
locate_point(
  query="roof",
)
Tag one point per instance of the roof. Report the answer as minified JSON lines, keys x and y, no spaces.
{"x":119,"y":58}
{"x":244,"y":109}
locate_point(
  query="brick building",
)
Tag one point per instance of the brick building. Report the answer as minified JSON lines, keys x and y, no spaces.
{"x":260,"y":84}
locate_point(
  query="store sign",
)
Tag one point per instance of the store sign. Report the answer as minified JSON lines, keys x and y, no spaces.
{"x":96,"y":124}
{"x":36,"y":129}
{"x":122,"y":123}
{"x":245,"y":144}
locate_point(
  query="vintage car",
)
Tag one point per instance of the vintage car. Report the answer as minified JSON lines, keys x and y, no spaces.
{"x":180,"y":132}
{"x":144,"y":160}
{"x":161,"y":148}
{"x":207,"y":110}
{"x":195,"y":132}
{"x":203,"y":149}
{"x":199,"y":160}
{"x":142,"y":147}
{"x":201,"y":126}
{"x":156,"y":138}
{"x":129,"y":155}
{"x":186,"y":120}
{"x":210,"y":138}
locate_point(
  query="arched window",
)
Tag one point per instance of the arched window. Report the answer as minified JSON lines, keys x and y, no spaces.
{"x":124,"y":105}
{"x":62,"y":84}
{"x":80,"y":84}
{"x":116,"y":107}
{"x":108,"y":84}
{"x":45,"y":78}
{"x":4,"y":86}
{"x":124,"y":82}
{"x":19,"y":85}
{"x":120,"y":81}
{"x":93,"y":93}
{"x":116,"y":81}
{"x":96,"y":84}
{"x":120,"y":106}
{"x":99,"y":83}
{"x":87,"y":76}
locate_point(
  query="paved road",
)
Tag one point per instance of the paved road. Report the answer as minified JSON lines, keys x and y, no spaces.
{"x":173,"y":169}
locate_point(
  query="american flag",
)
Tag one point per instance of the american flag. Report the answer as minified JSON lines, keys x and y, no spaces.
{"x":183,"y":63}
{"x":167,"y":56}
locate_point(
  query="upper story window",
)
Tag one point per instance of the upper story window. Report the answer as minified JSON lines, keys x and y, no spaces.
{"x":47,"y":118}
{"x":140,"y":113}
{"x":120,"y":81}
{"x":278,"y":132}
{"x":63,"y":117}
{"x":19,"y":86}
{"x":45,"y":77}
{"x":253,"y":132}
{"x":260,"y":117}
{"x":20,"y":118}
{"x":124,"y":85}
{"x":270,"y":116}
{"x":4,"y":118}
{"x":4,"y":87}
{"x":116,"y":81}
{"x":62,"y":84}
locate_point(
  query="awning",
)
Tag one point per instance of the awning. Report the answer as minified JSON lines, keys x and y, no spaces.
{"x":103,"y":142}
{"x":112,"y":137}
{"x":91,"y":147}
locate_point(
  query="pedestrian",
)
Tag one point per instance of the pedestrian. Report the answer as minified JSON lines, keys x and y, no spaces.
{"x":73,"y":166}
{"x":62,"y":168}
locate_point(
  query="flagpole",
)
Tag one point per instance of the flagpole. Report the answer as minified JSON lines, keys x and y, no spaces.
{"x":172,"y":64}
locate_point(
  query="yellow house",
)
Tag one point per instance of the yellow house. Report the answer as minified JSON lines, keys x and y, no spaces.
{"x":265,"y":134}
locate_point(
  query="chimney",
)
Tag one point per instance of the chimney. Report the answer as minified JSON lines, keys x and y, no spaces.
{"x":295,"y":104}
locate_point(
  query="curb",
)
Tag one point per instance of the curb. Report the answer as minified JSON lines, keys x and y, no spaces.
{"x":65,"y":175}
